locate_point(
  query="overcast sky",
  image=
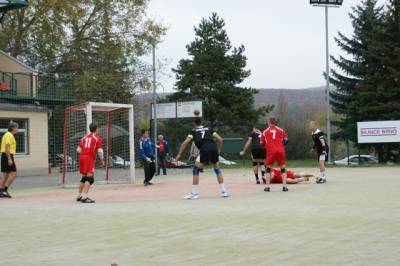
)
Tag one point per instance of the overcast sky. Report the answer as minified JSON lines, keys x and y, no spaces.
{"x":284,"y":39}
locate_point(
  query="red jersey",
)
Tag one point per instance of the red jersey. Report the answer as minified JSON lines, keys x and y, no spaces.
{"x":272,"y":138}
{"x":277,"y":173}
{"x":90,"y":144}
{"x":161,"y":147}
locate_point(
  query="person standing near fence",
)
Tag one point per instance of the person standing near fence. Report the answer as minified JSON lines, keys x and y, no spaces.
{"x":147,"y":155}
{"x":8,"y":167}
{"x":162,"y":151}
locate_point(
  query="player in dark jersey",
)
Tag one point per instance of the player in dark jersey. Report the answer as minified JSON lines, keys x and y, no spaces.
{"x":204,"y":140}
{"x":257,"y":153}
{"x":322,"y":149}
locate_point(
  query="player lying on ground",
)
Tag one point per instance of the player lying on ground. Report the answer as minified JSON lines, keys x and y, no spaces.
{"x":322,"y":149}
{"x":257,"y":153}
{"x":209,"y":153}
{"x":274,"y":139}
{"x":89,"y":147}
{"x":291,"y":177}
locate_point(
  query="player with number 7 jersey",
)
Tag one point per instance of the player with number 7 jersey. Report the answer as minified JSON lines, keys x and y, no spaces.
{"x":274,"y":139}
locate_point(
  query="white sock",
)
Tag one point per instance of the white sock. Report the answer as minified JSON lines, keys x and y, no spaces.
{"x":84,"y":196}
{"x":322,"y":175}
{"x":79,"y":195}
{"x":194,"y":189}
{"x":222,"y":187}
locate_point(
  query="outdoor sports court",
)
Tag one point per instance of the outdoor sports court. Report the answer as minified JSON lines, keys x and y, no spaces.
{"x":352,"y":220}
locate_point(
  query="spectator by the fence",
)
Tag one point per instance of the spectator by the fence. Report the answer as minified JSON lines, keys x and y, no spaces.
{"x":162,"y":151}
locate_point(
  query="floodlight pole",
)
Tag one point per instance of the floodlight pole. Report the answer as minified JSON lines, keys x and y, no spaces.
{"x":327,"y":4}
{"x":155,"y":105}
{"x":328,"y":96}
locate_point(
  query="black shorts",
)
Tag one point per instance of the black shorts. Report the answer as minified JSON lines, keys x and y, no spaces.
{"x":258,"y":154}
{"x":5,"y":168}
{"x":209,"y":153}
{"x":322,"y":157}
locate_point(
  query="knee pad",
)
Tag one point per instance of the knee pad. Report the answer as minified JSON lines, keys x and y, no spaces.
{"x":283,"y":170}
{"x":196,"y":171}
{"x":268,"y":170}
{"x":90,"y":179}
{"x":261,"y":163}
{"x":254,"y":163}
{"x":218,"y":171}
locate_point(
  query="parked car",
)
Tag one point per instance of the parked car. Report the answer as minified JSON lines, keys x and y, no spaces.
{"x":225,"y":161}
{"x":355,"y":160}
{"x":58,"y":161}
{"x":117,"y":161}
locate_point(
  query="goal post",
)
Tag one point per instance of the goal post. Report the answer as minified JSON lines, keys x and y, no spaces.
{"x":115,"y":126}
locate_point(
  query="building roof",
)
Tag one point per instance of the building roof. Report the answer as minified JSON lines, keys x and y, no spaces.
{"x":17,"y":61}
{"x":24,"y":107}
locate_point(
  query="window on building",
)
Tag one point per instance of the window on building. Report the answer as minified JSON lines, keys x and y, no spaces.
{"x":21,"y":137}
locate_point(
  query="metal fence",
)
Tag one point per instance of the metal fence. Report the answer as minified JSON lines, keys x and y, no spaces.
{"x":49,"y":87}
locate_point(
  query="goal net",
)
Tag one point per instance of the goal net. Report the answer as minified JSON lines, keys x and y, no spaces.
{"x":115,"y":126}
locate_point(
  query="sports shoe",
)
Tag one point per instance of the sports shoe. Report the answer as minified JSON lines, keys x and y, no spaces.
{"x":79,"y":198}
{"x":191,"y":196}
{"x":258,"y":182}
{"x":321,"y":181}
{"x":5,"y":194}
{"x":285,"y":189}
{"x":264,"y":181}
{"x":87,"y":200}
{"x":267,"y":189}
{"x":224,"y":194}
{"x":2,"y":194}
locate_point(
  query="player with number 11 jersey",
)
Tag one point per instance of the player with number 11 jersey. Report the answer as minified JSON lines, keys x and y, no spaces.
{"x":89,"y":146}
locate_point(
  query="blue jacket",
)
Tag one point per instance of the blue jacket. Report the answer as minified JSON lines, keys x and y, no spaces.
{"x":166,"y":147}
{"x":146,"y":148}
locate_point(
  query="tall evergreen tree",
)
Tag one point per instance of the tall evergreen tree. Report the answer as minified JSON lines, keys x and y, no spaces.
{"x":386,"y":46}
{"x":355,"y":76}
{"x":213,"y":74}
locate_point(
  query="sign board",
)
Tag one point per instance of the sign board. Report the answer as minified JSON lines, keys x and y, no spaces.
{"x":164,"y":110}
{"x":378,"y":132}
{"x":186,"y":109}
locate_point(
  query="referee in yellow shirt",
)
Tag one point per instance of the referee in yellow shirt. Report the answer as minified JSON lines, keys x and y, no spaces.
{"x":8,"y":167}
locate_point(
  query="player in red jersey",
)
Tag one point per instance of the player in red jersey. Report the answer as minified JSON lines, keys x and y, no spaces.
{"x":89,"y":147}
{"x":275,"y":138}
{"x":291,"y":177}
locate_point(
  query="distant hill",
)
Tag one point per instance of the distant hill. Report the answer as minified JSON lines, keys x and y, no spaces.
{"x":315,"y":96}
{"x":294,"y":97}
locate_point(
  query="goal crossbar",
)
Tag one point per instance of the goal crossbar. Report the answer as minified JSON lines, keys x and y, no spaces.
{"x":90,"y":107}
